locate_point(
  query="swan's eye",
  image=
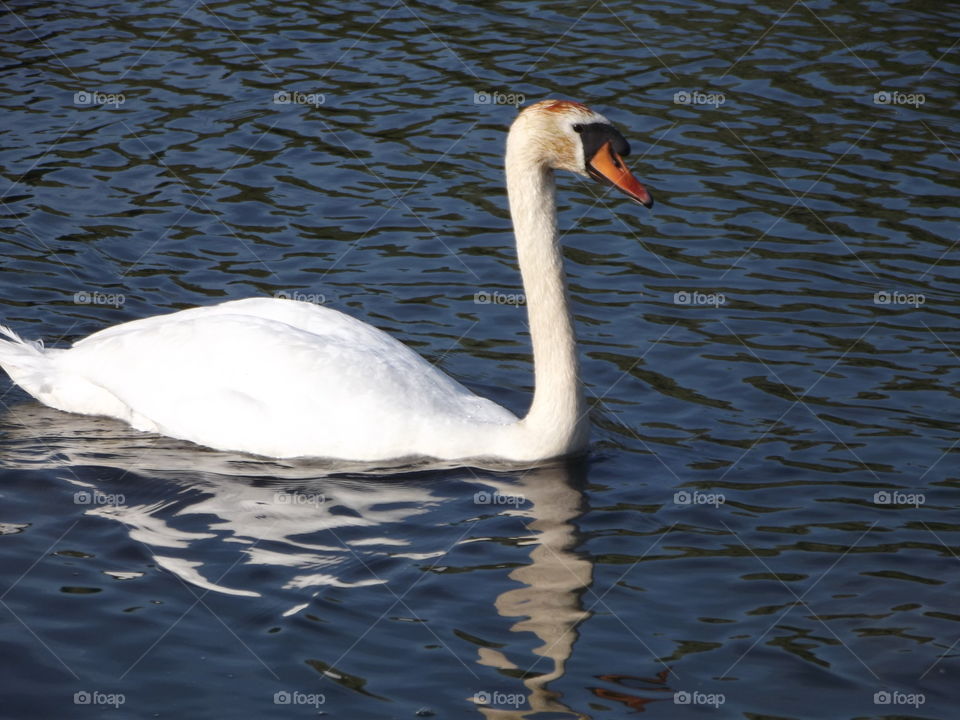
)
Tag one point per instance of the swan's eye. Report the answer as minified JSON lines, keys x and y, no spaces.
{"x":578,"y":128}
{"x":595,"y":135}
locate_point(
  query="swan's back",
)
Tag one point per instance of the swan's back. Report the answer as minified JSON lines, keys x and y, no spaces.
{"x":275,"y":377}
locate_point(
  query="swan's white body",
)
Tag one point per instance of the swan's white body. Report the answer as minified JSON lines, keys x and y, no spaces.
{"x":272,"y":377}
{"x":287,"y":379}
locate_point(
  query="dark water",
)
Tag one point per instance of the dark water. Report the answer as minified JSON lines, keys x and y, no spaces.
{"x":777,"y":342}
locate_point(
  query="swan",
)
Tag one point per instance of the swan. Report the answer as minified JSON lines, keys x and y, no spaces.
{"x":282,"y":378}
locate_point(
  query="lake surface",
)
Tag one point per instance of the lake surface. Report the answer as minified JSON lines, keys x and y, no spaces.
{"x":766,"y":525}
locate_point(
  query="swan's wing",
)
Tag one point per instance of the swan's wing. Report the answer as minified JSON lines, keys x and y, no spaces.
{"x":301,"y":315}
{"x":279,"y":378}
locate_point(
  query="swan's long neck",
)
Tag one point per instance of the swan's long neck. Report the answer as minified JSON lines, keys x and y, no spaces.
{"x":557,"y":415}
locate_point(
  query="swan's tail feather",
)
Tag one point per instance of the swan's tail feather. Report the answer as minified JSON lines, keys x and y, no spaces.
{"x":40,"y":371}
{"x":11,"y":335}
{"x":27,"y":363}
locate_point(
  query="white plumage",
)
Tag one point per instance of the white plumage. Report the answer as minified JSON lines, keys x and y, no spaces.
{"x":272,"y":377}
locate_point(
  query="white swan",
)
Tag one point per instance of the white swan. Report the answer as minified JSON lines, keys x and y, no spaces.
{"x":287,"y":379}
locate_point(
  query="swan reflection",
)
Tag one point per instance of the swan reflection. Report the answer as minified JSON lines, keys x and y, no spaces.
{"x":547,"y":602}
{"x":275,"y":511}
{"x":267,"y":506}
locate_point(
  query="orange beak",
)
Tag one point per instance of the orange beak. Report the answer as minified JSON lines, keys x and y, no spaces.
{"x":607,"y":165}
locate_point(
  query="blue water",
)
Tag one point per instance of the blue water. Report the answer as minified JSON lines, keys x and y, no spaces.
{"x":766,"y":523}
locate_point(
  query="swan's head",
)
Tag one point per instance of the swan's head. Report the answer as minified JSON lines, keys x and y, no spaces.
{"x":566,"y":135}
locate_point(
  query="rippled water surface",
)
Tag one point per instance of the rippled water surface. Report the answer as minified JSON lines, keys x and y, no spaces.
{"x":766,"y":524}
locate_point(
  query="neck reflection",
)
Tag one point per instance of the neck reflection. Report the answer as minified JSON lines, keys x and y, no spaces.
{"x":548,"y":601}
